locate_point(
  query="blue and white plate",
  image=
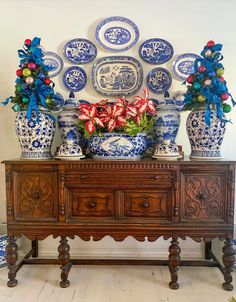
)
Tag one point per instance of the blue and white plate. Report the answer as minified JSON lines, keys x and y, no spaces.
{"x":117,"y":75}
{"x":80,"y":51}
{"x":54,"y":61}
{"x":156,"y":51}
{"x":159,"y":80}
{"x":117,"y":34}
{"x":75,"y":78}
{"x":183,"y":66}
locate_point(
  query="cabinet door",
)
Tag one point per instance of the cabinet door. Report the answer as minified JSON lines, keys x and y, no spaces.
{"x":35,"y":196}
{"x":204,"y":197}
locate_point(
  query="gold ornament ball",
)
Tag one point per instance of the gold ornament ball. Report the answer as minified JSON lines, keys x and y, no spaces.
{"x":26,"y":72}
{"x":220,"y":72}
{"x":201,"y":98}
{"x":48,"y":101}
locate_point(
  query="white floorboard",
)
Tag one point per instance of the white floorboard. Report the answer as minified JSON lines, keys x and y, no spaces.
{"x":115,"y":284}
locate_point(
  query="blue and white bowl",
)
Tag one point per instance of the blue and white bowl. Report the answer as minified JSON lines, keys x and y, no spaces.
{"x":118,"y":146}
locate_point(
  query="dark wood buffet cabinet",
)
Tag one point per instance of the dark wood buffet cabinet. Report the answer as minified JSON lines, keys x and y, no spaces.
{"x":144,"y":199}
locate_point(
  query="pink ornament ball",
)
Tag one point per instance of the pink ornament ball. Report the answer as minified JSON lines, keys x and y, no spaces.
{"x":32,"y":65}
{"x":222,"y":79}
{"x":208,"y":53}
{"x":207,"y":82}
{"x":201,"y":69}
{"x":224,"y":96}
{"x":210,"y":43}
{"x":29,"y":80}
{"x":19,"y":72}
{"x":27,"y":42}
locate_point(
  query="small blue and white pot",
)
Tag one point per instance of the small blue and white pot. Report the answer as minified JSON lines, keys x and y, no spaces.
{"x":3,"y":244}
{"x":117,"y":146}
{"x":35,"y":135}
{"x":205,"y":140}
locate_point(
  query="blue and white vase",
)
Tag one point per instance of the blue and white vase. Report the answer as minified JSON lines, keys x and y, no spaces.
{"x":68,"y":126}
{"x":167,"y":120}
{"x":205,"y":140}
{"x":117,"y":146}
{"x":3,"y":244}
{"x":35,"y":135}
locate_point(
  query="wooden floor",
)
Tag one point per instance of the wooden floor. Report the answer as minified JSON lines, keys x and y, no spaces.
{"x":115,"y":284}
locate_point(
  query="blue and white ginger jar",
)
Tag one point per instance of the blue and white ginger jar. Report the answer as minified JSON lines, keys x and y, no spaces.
{"x":117,"y":146}
{"x":167,"y":119}
{"x":35,"y":135}
{"x":205,"y":140}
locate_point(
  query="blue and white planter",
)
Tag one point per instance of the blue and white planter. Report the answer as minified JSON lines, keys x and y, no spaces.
{"x":205,"y":141}
{"x":3,"y":244}
{"x":35,"y":135}
{"x":117,"y":146}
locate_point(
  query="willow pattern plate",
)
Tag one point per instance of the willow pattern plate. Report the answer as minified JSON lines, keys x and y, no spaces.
{"x":183,"y":66}
{"x":159,"y":80}
{"x":54,"y":61}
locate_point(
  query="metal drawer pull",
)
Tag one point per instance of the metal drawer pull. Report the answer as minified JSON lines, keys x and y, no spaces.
{"x":203,"y":196}
{"x":92,"y":204}
{"x":145,"y":205}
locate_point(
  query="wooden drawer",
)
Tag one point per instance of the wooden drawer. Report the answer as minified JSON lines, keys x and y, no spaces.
{"x":148,"y":204}
{"x":204,"y":197}
{"x":35,"y":196}
{"x":89,"y":203}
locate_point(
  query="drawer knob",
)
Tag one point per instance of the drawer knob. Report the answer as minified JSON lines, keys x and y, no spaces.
{"x":145,"y":205}
{"x":36,"y":195}
{"x":92,"y":204}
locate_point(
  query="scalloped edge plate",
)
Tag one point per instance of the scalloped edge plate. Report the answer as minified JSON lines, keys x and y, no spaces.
{"x":162,"y":89}
{"x":66,"y":74}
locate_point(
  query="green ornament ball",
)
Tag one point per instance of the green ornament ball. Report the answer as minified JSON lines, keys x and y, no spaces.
{"x":196,"y":85}
{"x":226,"y":108}
{"x":18,"y":88}
{"x":25,"y":100}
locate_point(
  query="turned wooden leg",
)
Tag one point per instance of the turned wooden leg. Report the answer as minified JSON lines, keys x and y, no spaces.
{"x":174,"y":261}
{"x":34,"y":245}
{"x":11,"y":258}
{"x":208,"y":247}
{"x":228,"y":260}
{"x":64,"y":258}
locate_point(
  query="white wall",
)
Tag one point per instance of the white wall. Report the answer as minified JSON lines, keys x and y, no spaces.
{"x":187,"y":25}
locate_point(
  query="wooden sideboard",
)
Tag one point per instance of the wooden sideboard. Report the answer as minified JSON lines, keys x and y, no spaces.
{"x":142,"y":199}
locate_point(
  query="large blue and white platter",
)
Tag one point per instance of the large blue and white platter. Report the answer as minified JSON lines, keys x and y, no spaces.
{"x":183,"y":66}
{"x":117,"y":75}
{"x":54,"y":61}
{"x":75,"y":78}
{"x":159,"y":80}
{"x":80,"y":51}
{"x":117,"y":34}
{"x":156,"y":51}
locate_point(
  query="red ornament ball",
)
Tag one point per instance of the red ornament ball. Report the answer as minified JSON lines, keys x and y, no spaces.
{"x":222,"y":79}
{"x":27,"y":42}
{"x":210,"y":43}
{"x":47,"y":81}
{"x":190,"y":79}
{"x":19,"y":72}
{"x":224,"y":96}
{"x":201,"y":69}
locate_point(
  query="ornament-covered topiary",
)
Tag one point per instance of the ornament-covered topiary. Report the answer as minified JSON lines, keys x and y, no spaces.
{"x":33,"y":89}
{"x":206,"y":86}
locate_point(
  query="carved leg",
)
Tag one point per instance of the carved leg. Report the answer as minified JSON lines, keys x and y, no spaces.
{"x":208,"y":246}
{"x":11,"y":258}
{"x":174,"y":261}
{"x":64,"y":258}
{"x":228,"y":260}
{"x":34,"y":245}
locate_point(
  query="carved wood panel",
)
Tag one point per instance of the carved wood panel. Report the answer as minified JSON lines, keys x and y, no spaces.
{"x":148,"y":203}
{"x":35,"y":196}
{"x":90,"y":204}
{"x":204,"y":197}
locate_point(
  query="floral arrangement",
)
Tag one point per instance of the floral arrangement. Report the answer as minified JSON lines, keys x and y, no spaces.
{"x":33,"y":88}
{"x":130,"y":117}
{"x":206,"y":86}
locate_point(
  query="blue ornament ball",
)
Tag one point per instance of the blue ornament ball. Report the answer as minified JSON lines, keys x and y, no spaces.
{"x":41,"y":76}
